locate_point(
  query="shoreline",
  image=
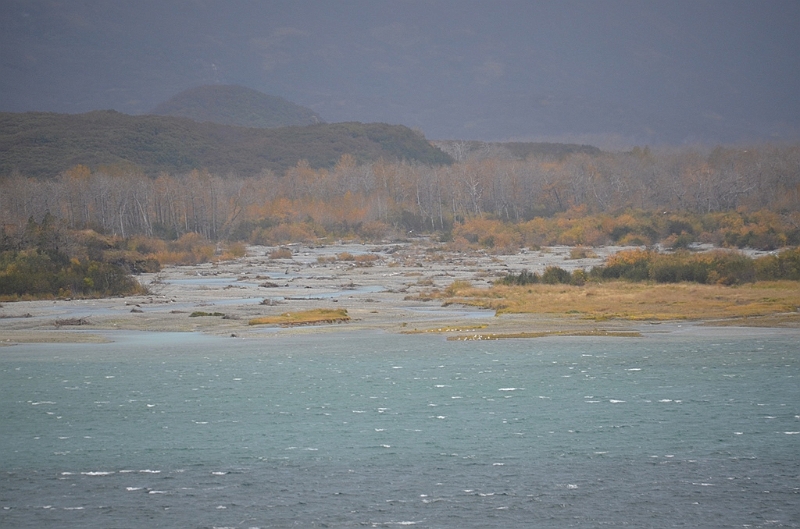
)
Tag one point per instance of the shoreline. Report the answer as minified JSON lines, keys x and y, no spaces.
{"x":377,"y":291}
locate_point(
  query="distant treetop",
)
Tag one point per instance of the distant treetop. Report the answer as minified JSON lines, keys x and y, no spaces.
{"x":236,"y":105}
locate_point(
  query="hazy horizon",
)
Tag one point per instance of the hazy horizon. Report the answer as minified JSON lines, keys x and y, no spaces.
{"x":600,"y":72}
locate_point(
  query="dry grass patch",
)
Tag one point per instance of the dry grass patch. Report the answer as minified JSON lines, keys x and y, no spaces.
{"x":634,"y":301}
{"x":11,"y":338}
{"x":304,"y":317}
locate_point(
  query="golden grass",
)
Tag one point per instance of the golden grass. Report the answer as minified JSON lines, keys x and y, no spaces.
{"x":635,"y":301}
{"x":304,"y":317}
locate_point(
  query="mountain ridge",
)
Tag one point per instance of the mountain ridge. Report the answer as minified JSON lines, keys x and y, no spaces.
{"x":236,"y":105}
{"x":44,"y":144}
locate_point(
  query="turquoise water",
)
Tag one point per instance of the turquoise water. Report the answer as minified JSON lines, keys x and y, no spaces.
{"x":696,"y":428}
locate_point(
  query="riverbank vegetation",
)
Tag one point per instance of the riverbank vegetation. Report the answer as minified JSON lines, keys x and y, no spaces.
{"x":724,"y":267}
{"x":640,"y":301}
{"x":643,"y":284}
{"x":46,"y":262}
{"x":728,"y":197}
{"x":490,"y":200}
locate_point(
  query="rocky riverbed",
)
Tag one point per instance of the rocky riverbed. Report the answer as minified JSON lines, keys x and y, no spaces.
{"x":378,"y":285}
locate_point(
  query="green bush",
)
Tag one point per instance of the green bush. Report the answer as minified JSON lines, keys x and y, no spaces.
{"x":631,"y":265}
{"x":730,"y":268}
{"x":554,"y":275}
{"x":677,"y":268}
{"x":34,"y":273}
{"x":579,"y":277}
{"x":784,"y":265}
{"x":36,"y":265}
{"x":523,"y":278}
{"x":722,"y":267}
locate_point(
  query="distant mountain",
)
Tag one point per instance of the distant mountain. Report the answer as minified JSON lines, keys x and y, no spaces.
{"x":612,"y":74}
{"x":236,"y":105}
{"x":45,"y":144}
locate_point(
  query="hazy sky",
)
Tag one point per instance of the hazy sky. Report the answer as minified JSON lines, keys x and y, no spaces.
{"x":598,"y":71}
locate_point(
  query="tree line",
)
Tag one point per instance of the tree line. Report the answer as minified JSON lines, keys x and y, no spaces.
{"x":487,"y":199}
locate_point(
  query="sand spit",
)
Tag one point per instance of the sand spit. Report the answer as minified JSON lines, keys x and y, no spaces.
{"x":378,"y":293}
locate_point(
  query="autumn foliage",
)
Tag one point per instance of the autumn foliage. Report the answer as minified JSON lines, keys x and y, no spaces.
{"x":45,"y":261}
{"x":489,"y":200}
{"x":728,"y":197}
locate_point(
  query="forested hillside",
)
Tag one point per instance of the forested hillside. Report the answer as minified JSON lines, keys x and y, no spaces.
{"x":236,"y":105}
{"x":45,"y":144}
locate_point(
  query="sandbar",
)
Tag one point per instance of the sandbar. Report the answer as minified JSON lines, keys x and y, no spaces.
{"x":379,"y":293}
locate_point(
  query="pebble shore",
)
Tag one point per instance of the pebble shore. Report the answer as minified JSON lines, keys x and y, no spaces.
{"x":380,"y":292}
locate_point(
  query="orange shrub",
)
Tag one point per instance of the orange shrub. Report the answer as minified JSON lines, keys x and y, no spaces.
{"x":366,"y":259}
{"x":583,"y":232}
{"x":283,"y":233}
{"x":538,"y":232}
{"x":146,"y":245}
{"x":188,"y":241}
{"x":489,"y":233}
{"x":280,"y":253}
{"x":191,"y":248}
{"x":232,"y":251}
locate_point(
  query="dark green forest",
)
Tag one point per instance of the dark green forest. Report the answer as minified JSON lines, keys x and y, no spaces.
{"x":43,"y":145}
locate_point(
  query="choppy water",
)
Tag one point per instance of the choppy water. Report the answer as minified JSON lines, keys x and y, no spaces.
{"x":364,"y":429}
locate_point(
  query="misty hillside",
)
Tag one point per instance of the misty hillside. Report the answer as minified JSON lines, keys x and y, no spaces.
{"x":462,"y":150}
{"x":45,"y":144}
{"x":236,"y":105}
